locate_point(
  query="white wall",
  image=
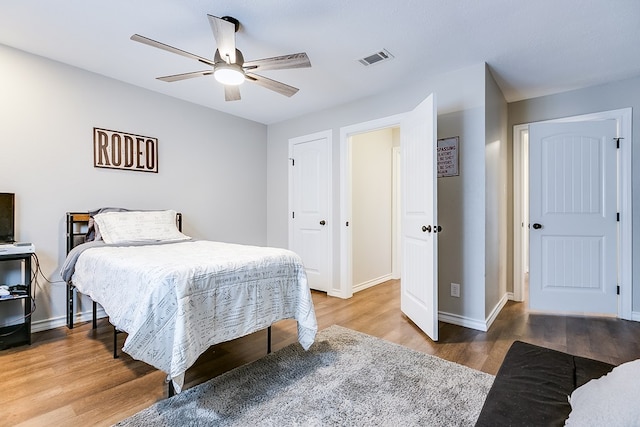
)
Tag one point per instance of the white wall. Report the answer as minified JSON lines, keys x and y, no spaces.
{"x":371,"y":215}
{"x":212,"y":166}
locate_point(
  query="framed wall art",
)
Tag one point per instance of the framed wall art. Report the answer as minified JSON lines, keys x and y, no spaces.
{"x":120,"y":150}
{"x":448,"y":161}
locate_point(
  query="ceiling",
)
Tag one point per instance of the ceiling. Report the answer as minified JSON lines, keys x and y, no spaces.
{"x":533,"y":48}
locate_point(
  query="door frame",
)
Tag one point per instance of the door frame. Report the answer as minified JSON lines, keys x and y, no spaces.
{"x":623,"y":119}
{"x":396,"y":215}
{"x":346,"y":246}
{"x":328,"y":136}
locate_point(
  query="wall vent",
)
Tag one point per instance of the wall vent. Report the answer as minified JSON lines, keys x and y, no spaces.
{"x":376,"y":58}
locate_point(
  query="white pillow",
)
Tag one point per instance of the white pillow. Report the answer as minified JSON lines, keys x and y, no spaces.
{"x":611,"y":400}
{"x":151,"y":226}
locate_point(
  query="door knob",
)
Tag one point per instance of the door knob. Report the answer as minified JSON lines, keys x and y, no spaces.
{"x":426,"y":228}
{"x":537,"y":226}
{"x":323,"y":222}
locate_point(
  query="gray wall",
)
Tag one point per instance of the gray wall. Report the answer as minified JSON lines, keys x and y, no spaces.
{"x":497,"y":199}
{"x":212,"y":166}
{"x":461,"y":205}
{"x":611,"y":96}
{"x":461,"y":94}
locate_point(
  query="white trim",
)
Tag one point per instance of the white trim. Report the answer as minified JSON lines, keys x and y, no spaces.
{"x":626,"y":215}
{"x":59,"y":321}
{"x":625,"y":280}
{"x":396,"y":214}
{"x":328,"y":135}
{"x":346,"y":258}
{"x":496,"y":310}
{"x":519,"y":223}
{"x":369,"y":283}
{"x":346,"y":132}
{"x":476,"y":324}
{"x":465,"y":322}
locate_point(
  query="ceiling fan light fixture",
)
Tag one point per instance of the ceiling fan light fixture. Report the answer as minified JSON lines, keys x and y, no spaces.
{"x":229,"y":74}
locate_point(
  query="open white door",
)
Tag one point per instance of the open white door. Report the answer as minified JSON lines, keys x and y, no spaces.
{"x":573,"y":206}
{"x":419,"y":282}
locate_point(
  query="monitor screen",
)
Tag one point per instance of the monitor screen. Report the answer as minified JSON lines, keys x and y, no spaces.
{"x":7,"y":217}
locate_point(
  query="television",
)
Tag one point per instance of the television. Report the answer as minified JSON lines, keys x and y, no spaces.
{"x":7,"y":217}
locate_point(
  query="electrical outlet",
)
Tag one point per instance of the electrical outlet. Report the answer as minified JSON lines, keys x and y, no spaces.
{"x":455,"y":290}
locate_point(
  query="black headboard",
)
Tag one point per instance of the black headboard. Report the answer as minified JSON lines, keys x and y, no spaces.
{"x":78,"y":223}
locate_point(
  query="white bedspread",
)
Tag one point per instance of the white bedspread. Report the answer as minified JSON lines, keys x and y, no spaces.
{"x":176,"y":300}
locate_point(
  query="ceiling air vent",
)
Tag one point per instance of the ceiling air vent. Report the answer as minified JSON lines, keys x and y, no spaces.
{"x":376,"y":58}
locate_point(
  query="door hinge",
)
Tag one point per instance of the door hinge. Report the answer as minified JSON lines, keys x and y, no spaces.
{"x":293,"y":214}
{"x":617,"y":142}
{"x":618,"y":216}
{"x":293,"y":161}
{"x":618,"y":290}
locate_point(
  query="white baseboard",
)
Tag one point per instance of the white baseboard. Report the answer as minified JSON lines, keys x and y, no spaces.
{"x":467,"y":322}
{"x":455,"y":319}
{"x":339,"y":294}
{"x":496,"y":310}
{"x":56,"y":322}
{"x":369,"y":283}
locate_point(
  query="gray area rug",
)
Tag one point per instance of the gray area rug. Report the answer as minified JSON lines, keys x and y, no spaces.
{"x":345,"y":378}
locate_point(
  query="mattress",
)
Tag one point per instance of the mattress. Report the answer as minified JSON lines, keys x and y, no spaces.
{"x":176,"y":300}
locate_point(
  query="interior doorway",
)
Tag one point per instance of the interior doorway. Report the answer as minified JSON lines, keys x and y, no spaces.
{"x":419,"y":271}
{"x":374,"y":195}
{"x":521,"y":205}
{"x":370,"y":202}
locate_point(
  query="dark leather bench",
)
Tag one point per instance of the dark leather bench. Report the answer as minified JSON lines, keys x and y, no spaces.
{"x":533,"y":384}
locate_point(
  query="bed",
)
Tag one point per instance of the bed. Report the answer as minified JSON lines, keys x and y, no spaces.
{"x":176,"y":296}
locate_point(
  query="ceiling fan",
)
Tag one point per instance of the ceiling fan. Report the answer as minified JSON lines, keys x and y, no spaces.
{"x":228,"y":64}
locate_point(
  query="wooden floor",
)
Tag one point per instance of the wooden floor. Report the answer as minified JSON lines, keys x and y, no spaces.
{"x":68,"y":377}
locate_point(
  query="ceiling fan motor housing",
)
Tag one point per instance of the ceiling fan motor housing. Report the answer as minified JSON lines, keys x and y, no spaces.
{"x":233,"y":20}
{"x":239,"y":58}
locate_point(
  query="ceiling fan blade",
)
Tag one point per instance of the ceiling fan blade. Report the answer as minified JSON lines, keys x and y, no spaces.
{"x":279,"y":87}
{"x":150,"y":42}
{"x":184,"y":76}
{"x":225,"y":34}
{"x":231,"y":93}
{"x":294,"y":60}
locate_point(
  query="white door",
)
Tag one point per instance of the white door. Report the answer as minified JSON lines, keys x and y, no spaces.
{"x":572,"y":214}
{"x":310,"y":188}
{"x":419,"y":279}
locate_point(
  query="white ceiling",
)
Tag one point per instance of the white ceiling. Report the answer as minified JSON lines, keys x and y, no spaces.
{"x":534,"y":47}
